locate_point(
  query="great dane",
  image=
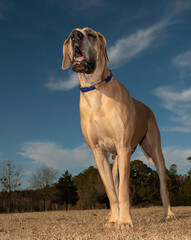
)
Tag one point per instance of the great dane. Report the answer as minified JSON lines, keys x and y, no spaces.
{"x":112,"y":122}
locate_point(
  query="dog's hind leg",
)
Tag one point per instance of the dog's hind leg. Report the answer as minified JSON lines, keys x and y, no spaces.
{"x":151,"y":146}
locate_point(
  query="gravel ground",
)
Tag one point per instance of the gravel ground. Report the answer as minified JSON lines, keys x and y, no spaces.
{"x":89,"y":225}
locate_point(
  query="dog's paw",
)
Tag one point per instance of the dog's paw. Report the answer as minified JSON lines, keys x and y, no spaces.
{"x":170,"y":216}
{"x":128,"y":225}
{"x":108,"y":216}
{"x":110,"y":224}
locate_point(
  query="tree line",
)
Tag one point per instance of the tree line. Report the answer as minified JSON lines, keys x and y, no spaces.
{"x":86,"y":190}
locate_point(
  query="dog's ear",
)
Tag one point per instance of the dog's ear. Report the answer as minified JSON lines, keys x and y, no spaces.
{"x":102,"y":39}
{"x":66,"y":60}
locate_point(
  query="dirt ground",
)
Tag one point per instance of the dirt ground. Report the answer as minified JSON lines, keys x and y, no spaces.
{"x":89,"y":225}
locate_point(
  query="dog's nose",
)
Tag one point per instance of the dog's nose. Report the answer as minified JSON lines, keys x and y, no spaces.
{"x":76,"y":36}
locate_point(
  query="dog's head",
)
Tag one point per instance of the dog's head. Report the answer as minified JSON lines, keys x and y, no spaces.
{"x":84,"y":48}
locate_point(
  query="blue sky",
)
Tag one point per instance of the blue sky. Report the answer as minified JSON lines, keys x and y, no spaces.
{"x":149,"y":47}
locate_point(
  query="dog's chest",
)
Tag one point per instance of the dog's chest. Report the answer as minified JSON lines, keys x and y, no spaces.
{"x":99,"y":130}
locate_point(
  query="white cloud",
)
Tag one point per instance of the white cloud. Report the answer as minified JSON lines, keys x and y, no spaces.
{"x":178,"y":7}
{"x":54,"y":155}
{"x":170,"y":95}
{"x":183,"y":60}
{"x":173,"y":155}
{"x":128,"y":47}
{"x":177,"y":155}
{"x":179,"y":103}
{"x":60,"y":83}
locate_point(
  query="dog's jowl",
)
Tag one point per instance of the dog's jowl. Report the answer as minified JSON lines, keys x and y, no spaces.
{"x":112,"y":122}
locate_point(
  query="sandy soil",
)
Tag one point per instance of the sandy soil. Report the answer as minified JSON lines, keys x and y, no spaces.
{"x":148,"y":224}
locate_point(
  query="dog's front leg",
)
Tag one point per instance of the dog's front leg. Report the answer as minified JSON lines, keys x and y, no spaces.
{"x":124,"y":154}
{"x":104,"y":168}
{"x":115,"y":174}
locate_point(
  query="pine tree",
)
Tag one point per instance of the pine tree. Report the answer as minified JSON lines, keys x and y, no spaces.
{"x":66,"y":190}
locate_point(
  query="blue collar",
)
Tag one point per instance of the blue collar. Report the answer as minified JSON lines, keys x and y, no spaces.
{"x":97,"y":85}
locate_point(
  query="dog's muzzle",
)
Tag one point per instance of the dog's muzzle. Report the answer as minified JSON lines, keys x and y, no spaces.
{"x":80,"y":64}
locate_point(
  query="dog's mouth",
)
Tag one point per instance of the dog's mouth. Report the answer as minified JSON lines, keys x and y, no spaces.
{"x":80,"y":63}
{"x":78,"y":56}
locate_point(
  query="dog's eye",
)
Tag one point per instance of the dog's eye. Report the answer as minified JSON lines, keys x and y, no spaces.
{"x":72,"y":36}
{"x":90,"y":35}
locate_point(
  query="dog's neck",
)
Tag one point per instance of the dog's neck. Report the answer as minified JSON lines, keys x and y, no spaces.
{"x":87,"y":80}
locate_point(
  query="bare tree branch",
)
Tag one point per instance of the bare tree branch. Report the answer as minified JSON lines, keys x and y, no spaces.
{"x":10,"y":176}
{"x":43,"y":176}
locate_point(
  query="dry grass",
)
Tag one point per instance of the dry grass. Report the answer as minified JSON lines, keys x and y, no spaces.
{"x":148,"y":224}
